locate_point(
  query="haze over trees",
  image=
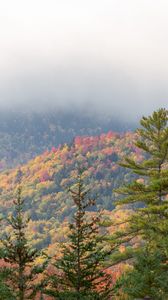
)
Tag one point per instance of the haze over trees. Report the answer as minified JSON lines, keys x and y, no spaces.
{"x":26,"y":134}
{"x":131,"y":238}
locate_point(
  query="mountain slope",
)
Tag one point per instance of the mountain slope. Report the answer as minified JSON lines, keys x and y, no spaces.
{"x":24,"y":135}
{"x":45,"y":179}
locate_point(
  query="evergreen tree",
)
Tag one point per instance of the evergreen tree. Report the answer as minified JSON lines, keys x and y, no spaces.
{"x":147,"y":195}
{"x":149,"y":277}
{"x":81,"y":265}
{"x":5,"y":291}
{"x":20,"y":256}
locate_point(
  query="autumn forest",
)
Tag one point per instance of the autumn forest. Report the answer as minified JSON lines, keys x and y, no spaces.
{"x":87,"y":219}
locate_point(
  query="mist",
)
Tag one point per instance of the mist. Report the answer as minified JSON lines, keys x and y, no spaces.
{"x":103,"y":57}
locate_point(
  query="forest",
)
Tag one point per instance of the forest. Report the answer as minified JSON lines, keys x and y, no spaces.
{"x":25,"y":134}
{"x":88,"y":219}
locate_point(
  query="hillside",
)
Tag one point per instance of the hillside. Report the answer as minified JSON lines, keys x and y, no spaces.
{"x":45,"y":179}
{"x":24,"y":135}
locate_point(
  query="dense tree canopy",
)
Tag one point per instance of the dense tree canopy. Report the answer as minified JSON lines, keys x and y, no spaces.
{"x":148,"y":196}
{"x":136,"y":231}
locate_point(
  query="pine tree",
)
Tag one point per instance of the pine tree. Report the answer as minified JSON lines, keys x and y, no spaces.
{"x":147,"y":196}
{"x":148,"y":278}
{"x":81,"y":264}
{"x":5,"y":291}
{"x":19,"y":255}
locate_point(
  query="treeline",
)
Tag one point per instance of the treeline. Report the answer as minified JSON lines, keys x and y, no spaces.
{"x":82,"y":268}
{"x":26,"y":134}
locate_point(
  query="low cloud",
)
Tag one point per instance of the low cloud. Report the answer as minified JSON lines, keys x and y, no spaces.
{"x":106,"y":57}
{"x":99,"y":89}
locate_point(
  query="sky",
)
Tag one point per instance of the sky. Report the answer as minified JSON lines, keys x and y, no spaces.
{"x":108,"y":56}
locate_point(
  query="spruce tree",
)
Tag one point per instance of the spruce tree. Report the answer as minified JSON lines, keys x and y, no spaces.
{"x":82,"y":262}
{"x":20,"y":256}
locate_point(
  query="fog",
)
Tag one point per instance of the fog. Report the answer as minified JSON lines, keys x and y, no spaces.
{"x":106,"y":57}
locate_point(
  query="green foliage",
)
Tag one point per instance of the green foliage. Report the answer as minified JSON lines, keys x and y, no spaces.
{"x":148,"y":196}
{"x":150,"y":193}
{"x":19,"y":255}
{"x":149,"y":276}
{"x":6,"y":293}
{"x":70,"y":295}
{"x":81,"y":264}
